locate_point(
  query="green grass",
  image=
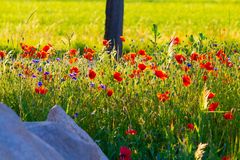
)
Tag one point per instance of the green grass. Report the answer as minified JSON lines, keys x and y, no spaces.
{"x":53,"y":21}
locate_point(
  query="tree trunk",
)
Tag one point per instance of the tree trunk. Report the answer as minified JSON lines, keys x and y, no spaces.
{"x":114,"y":25}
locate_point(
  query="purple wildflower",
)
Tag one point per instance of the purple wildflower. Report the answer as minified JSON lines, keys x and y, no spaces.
{"x":92,"y":84}
{"x":75,"y":115}
{"x":103,"y":86}
{"x":39,"y":69}
{"x":40,"y":84}
{"x":36,"y":61}
{"x":46,"y":73}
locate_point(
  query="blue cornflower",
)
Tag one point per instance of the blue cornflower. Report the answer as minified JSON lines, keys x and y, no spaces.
{"x":39,"y":69}
{"x":103,"y":86}
{"x":40,"y":84}
{"x":75,"y":115}
{"x":92,"y":84}
{"x":71,"y":75}
{"x":36,"y":61}
{"x":46,"y":73}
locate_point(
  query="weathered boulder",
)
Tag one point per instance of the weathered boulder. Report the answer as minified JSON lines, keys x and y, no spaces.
{"x":17,"y":143}
{"x":58,"y":115}
{"x":65,"y":142}
{"x":58,"y":138}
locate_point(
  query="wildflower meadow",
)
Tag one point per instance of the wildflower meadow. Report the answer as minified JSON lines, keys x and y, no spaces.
{"x":171,"y":96}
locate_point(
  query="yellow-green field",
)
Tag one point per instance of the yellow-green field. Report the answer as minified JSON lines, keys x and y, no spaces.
{"x":41,"y":22}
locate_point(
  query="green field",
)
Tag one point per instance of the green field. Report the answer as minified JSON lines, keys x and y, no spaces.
{"x":40,"y":22}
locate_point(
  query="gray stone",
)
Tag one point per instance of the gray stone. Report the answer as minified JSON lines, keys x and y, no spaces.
{"x":58,"y":115}
{"x":58,"y":138}
{"x":17,"y":143}
{"x":65,"y":142}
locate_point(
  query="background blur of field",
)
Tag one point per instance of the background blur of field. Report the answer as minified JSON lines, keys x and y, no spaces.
{"x":53,"y":21}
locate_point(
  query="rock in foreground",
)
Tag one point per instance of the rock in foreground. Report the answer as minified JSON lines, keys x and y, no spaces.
{"x":58,"y":138}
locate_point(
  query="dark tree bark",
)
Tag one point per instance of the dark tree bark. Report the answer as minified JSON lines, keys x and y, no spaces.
{"x":114,"y":25}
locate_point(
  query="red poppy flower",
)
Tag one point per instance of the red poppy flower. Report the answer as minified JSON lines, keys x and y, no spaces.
{"x":72,"y":52}
{"x":137,"y":72}
{"x":126,"y":57}
{"x":142,"y":66}
{"x":131,"y":132}
{"x":228,"y":116}
{"x":91,"y":74}
{"x":105,"y":42}
{"x":190,"y":126}
{"x":88,"y":56}
{"x":42,"y":54}
{"x":2,"y":54}
{"x":133,"y":56}
{"x":185,"y":68}
{"x":208,"y":66}
{"x":164,"y":96}
{"x":161,"y":74}
{"x":41,"y":90}
{"x":180,"y":58}
{"x":142,"y":52}
{"x":226,"y":158}
{"x":147,"y":58}
{"x":202,"y":57}
{"x":46,"y":48}
{"x":204,"y":77}
{"x":73,"y":60}
{"x":88,"y":53}
{"x":211,"y":95}
{"x":27,"y":72}
{"x":88,"y":50}
{"x":132,"y":75}
{"x":213,"y":106}
{"x":221,"y":56}
{"x":229,"y":64}
{"x":122,"y":38}
{"x":194,"y":56}
{"x":175,"y":41}
{"x":186,"y":80}
{"x":74,"y":70}
{"x":28,"y":51}
{"x":125,"y":153}
{"x":117,"y":76}
{"x":37,"y":89}
{"x":109,"y":92}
